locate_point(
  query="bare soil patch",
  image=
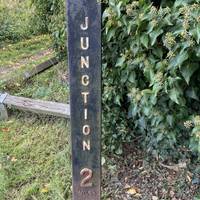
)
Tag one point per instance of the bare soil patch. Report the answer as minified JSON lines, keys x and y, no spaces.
{"x":133,"y":176}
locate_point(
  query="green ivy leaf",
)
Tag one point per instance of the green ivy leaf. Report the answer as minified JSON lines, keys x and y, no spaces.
{"x":141,"y":2}
{"x":170,"y":120}
{"x":188,"y":70}
{"x":120,"y":61}
{"x":111,"y":34}
{"x":198,"y":34}
{"x":144,"y":40}
{"x":154,"y":35}
{"x":158,"y":52}
{"x":179,"y":59}
{"x":118,"y":8}
{"x":174,"y":95}
{"x":132,"y":77}
{"x":192,"y":93}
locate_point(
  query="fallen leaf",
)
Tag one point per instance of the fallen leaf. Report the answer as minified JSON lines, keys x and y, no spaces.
{"x":5,"y":130}
{"x":44,"y":190}
{"x":13,"y":159}
{"x":127,"y":186}
{"x":171,"y":193}
{"x":189,"y":179}
{"x":138,"y":195}
{"x":126,"y":179}
{"x":132,"y":191}
{"x":154,"y":198}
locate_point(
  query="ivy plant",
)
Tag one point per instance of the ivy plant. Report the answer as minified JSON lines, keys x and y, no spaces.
{"x":151,"y":72}
{"x":151,"y":76}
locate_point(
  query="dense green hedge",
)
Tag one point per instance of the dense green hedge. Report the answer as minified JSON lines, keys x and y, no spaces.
{"x":52,"y":18}
{"x":15,"y":20}
{"x":151,"y":74}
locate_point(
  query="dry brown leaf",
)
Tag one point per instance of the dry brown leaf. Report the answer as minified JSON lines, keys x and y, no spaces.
{"x":13,"y":159}
{"x":5,"y":130}
{"x":132,"y":191}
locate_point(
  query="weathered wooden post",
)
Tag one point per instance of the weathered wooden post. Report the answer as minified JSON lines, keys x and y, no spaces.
{"x":84,"y":47}
{"x":3,"y":110}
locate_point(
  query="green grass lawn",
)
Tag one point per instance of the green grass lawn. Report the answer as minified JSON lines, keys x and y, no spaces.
{"x":50,"y":85}
{"x":19,"y":57}
{"x":12,"y":53}
{"x":35,"y":159}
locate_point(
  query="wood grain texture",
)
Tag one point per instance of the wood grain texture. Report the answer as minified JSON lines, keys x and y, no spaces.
{"x":84,"y":40}
{"x":40,"y":68}
{"x":3,"y":112}
{"x":38,"y":106}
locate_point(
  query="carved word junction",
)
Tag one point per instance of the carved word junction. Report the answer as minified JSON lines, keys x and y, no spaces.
{"x":86,"y":173}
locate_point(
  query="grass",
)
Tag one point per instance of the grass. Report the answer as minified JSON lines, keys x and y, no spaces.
{"x":50,"y":85}
{"x":35,"y":160}
{"x":17,"y":58}
{"x":12,"y":53}
{"x":18,"y":21}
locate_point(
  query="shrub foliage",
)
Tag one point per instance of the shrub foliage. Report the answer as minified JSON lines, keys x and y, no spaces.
{"x":51,"y":15}
{"x":15,"y":20}
{"x":151,"y":76}
{"x":150,"y":73}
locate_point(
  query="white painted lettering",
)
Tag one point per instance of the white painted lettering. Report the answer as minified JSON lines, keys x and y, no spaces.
{"x":86,"y":130}
{"x":85,"y":80}
{"x":86,"y":145}
{"x":85,"y":113}
{"x":85,"y":26}
{"x":85,"y":97}
{"x":85,"y":62}
{"x":85,"y":43}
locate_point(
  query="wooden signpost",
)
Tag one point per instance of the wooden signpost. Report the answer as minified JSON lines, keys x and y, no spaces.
{"x":84,"y":55}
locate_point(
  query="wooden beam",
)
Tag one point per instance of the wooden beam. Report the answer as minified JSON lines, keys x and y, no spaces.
{"x":84,"y":56}
{"x":40,"y":68}
{"x":3,"y":113}
{"x":3,"y":110}
{"x":36,"y":70}
{"x":38,"y":106}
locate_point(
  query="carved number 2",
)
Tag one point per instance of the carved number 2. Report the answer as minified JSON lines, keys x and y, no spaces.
{"x":87,"y":176}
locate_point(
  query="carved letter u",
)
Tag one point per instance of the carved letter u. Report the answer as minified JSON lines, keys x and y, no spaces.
{"x":84,"y":43}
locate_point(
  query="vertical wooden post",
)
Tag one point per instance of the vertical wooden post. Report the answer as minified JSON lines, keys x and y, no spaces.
{"x":3,"y":113}
{"x":3,"y":110}
{"x":84,"y":54}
